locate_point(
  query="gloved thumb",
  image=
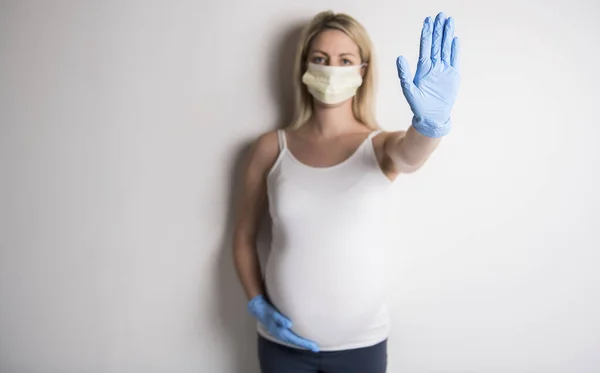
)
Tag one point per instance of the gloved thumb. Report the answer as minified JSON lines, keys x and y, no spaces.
{"x":282,"y":320}
{"x":406,"y":78}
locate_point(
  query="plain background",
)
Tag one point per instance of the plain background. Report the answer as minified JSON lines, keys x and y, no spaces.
{"x":123,"y":128}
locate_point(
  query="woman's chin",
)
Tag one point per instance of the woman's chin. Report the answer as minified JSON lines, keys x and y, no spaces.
{"x":324,"y":105}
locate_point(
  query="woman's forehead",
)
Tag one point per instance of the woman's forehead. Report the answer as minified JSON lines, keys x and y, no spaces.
{"x":334,"y":42}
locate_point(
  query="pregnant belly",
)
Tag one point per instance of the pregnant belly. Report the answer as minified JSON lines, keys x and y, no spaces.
{"x":332,"y":302}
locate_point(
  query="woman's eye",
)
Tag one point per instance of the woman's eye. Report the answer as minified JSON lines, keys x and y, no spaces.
{"x":318,"y":60}
{"x":346,"y":61}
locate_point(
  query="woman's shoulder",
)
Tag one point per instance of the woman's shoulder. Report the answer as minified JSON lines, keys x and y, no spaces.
{"x":383,"y":136}
{"x":381,"y":144}
{"x":267,"y":143}
{"x":264,"y":151}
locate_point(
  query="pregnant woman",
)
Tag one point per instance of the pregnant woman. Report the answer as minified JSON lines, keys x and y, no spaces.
{"x":325,"y":180}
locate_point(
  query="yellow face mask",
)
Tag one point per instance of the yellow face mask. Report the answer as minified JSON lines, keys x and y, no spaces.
{"x":332,"y":84}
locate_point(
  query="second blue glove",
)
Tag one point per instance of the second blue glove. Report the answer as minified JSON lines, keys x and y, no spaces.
{"x":276,"y":324}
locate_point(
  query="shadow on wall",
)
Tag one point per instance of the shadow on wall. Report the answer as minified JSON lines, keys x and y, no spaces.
{"x":238,"y":327}
{"x":281,"y":84}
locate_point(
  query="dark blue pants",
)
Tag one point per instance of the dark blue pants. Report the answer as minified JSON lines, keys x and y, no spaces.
{"x":276,"y":358}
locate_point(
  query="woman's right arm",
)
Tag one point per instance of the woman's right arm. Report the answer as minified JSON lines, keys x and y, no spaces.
{"x":251,"y":203}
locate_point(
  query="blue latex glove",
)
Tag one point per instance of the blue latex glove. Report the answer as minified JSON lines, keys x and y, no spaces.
{"x":277,"y":324}
{"x":433,"y":91}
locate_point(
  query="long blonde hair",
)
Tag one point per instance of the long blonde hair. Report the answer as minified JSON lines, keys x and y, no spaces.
{"x":363,"y":102}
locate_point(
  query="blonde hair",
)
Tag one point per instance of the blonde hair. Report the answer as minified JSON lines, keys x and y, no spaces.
{"x":363,"y":102}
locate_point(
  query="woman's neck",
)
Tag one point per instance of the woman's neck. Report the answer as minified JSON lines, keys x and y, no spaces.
{"x":333,"y":121}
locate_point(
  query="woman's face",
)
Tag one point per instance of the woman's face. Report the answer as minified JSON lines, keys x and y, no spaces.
{"x":333,"y":48}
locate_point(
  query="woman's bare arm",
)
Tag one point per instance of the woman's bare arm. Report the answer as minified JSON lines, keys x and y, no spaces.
{"x":251,"y":205}
{"x":409,"y":150}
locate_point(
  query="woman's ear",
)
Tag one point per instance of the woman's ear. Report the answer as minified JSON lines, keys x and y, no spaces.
{"x":363,"y":69}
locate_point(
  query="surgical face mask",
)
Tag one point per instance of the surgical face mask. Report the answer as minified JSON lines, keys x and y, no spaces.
{"x":332,"y":84}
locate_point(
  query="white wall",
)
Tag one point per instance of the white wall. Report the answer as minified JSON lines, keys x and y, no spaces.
{"x":122,"y":128}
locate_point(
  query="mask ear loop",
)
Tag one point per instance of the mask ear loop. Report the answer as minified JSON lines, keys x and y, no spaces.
{"x":361,"y":67}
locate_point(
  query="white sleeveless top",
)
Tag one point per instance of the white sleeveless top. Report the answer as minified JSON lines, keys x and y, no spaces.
{"x":325,"y":270}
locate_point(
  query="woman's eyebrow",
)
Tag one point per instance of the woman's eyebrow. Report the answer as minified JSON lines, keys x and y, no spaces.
{"x":340,"y":55}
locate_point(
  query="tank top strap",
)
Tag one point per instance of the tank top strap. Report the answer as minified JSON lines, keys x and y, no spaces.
{"x":373,"y":134}
{"x":281,"y":140}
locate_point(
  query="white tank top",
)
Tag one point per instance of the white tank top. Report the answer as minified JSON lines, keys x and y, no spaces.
{"x":325,"y":270}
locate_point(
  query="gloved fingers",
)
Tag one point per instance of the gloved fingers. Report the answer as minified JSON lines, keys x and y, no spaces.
{"x":290,"y":337}
{"x":282,"y":320}
{"x":406,"y":79}
{"x":447,"y":39}
{"x":454,"y":58}
{"x":425,"y":49}
{"x":436,"y":40}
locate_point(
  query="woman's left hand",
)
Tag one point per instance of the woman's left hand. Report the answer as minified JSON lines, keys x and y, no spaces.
{"x":432,"y":92}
